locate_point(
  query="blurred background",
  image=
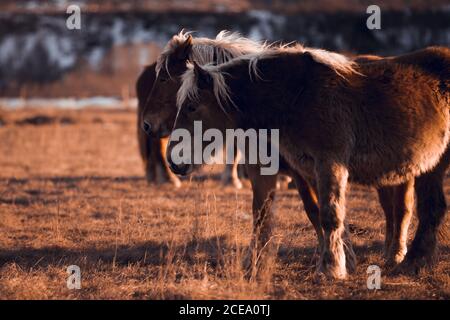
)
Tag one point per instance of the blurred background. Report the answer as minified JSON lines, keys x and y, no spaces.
{"x":41,"y":58}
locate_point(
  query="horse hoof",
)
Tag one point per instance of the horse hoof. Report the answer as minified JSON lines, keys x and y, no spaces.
{"x":163,"y":179}
{"x":319,"y":278}
{"x":323,"y":277}
{"x":164,"y":176}
{"x":406,"y":269}
{"x":411,"y":266}
{"x":390,"y":266}
{"x":392,"y":261}
{"x":332,"y":272}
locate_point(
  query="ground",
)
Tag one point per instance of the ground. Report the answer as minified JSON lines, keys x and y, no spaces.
{"x":72,"y":192}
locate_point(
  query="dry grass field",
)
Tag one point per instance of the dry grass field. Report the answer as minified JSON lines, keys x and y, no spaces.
{"x":72,"y":192}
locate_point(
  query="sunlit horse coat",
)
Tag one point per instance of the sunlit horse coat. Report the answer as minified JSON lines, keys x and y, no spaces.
{"x":380,"y":123}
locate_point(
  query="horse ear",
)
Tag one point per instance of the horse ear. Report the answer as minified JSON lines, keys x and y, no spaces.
{"x":183,"y":50}
{"x":204,"y":80}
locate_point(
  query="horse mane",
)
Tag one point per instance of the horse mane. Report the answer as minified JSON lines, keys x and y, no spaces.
{"x":189,"y":88}
{"x":225,"y":47}
{"x":339,"y":63}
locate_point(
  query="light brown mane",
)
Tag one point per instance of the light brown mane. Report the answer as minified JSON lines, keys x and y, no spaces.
{"x":189,"y":87}
{"x":339,"y":63}
{"x":226,"y":46}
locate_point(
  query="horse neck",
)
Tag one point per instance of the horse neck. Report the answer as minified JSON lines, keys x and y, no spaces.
{"x":278,"y":95}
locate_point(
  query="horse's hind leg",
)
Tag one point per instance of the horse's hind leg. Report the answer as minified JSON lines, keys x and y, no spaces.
{"x":332,"y":182}
{"x":431,"y":209}
{"x":263,"y":196}
{"x":311,"y":205}
{"x":403,"y":210}
{"x":398,"y":207}
{"x":386,"y":198}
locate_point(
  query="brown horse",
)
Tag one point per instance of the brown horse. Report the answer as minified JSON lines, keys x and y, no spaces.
{"x":397,"y":206}
{"x":381,"y":123}
{"x":157,"y":108}
{"x":152,"y":148}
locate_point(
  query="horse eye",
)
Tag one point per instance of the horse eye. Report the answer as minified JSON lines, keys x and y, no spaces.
{"x":191,"y":108}
{"x":163,"y":79}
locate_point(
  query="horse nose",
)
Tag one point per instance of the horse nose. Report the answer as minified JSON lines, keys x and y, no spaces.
{"x":147,"y":127}
{"x":178,"y":169}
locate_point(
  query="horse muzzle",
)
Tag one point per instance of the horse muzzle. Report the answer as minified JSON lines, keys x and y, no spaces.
{"x":180,"y":169}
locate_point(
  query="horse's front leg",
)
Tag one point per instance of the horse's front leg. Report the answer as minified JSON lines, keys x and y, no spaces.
{"x":261,"y":246}
{"x":158,"y":164}
{"x":332,"y":183}
{"x":230,"y":175}
{"x":308,"y":193}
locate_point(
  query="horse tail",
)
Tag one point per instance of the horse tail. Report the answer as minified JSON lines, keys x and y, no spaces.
{"x":437,"y":62}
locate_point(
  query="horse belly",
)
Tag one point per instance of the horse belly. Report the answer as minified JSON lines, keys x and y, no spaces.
{"x":395,"y":163}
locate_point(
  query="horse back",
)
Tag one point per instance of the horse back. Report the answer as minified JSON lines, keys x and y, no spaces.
{"x":433,"y":60}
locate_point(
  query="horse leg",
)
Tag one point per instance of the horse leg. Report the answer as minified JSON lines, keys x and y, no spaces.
{"x":403,"y":199}
{"x":158,"y":164}
{"x":230,"y":175}
{"x":311,"y":205}
{"x":332,"y":182}
{"x":145,"y":147}
{"x":308,"y":194}
{"x":263,"y":188}
{"x":431,"y":209}
{"x":386,"y":198}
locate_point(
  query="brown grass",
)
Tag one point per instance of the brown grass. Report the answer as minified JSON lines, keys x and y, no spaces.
{"x":74,"y":193}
